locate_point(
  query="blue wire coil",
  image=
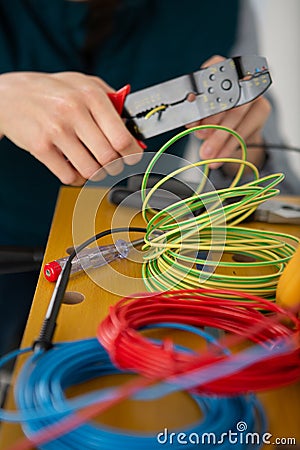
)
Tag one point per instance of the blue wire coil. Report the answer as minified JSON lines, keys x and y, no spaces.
{"x":40,"y":397}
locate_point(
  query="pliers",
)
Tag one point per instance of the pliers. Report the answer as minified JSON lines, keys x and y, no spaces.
{"x":189,"y":98}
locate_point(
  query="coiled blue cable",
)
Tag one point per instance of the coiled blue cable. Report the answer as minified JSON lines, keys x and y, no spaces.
{"x":40,"y":397}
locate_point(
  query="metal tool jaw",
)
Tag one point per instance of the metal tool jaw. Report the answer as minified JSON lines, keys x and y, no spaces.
{"x":189,"y":98}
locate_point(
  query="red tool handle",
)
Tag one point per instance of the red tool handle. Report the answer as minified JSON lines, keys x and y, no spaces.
{"x":118,"y":99}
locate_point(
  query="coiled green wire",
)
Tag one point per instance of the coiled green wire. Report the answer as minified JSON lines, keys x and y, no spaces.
{"x":184,"y":247}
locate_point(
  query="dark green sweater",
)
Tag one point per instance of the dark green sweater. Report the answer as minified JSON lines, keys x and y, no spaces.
{"x":154,"y":40}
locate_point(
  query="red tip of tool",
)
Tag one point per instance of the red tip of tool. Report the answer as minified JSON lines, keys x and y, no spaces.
{"x":118,"y":98}
{"x":52,"y":271}
{"x":142,"y":144}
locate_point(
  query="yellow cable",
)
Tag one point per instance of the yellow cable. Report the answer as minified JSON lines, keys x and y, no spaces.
{"x":154,"y":110}
{"x":175,"y":255}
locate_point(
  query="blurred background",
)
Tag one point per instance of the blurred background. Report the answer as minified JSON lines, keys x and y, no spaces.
{"x":279,"y":38}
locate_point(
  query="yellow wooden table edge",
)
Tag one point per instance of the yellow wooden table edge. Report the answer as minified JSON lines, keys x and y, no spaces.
{"x":60,"y":238}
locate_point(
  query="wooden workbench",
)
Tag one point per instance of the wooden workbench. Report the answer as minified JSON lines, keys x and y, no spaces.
{"x":107,"y":285}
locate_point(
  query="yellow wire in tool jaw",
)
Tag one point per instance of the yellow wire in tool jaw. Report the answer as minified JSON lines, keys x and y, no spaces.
{"x":154,"y":110}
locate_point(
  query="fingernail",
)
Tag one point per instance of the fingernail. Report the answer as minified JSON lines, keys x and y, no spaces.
{"x":114,"y":167}
{"x":215,"y":165}
{"x":132,"y":159}
{"x":99,"y":175}
{"x":206,"y":151}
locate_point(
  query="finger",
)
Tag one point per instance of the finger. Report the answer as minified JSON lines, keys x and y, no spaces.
{"x":59,"y":166}
{"x":102,"y":84}
{"x":82,"y":82}
{"x":78,"y":155}
{"x":205,"y":133}
{"x":215,"y":119}
{"x":99,"y":175}
{"x":248,"y":126}
{"x":94,"y":92}
{"x":219,"y":138}
{"x":89,"y":133}
{"x":215,"y":59}
{"x":112,"y":126}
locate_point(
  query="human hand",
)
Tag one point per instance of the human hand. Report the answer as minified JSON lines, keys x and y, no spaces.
{"x":247,"y":120}
{"x":67,"y":122}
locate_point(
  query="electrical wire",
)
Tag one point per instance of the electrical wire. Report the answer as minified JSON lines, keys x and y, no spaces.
{"x":271,"y":146}
{"x":45,"y":410}
{"x":120,"y":334}
{"x":188,"y":246}
{"x":47,"y":374}
{"x":155,"y":110}
{"x":23,"y":389}
{"x":45,"y":338}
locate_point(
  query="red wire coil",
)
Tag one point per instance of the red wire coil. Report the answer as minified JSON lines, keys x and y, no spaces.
{"x":243,"y":321}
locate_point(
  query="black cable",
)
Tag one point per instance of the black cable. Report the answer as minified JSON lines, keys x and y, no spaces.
{"x":45,"y":338}
{"x":15,"y":259}
{"x":276,"y":147}
{"x":47,"y":330}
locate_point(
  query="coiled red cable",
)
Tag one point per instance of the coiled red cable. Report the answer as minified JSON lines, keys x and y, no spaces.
{"x":243,"y":321}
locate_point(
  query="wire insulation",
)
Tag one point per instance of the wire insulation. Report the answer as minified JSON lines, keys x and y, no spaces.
{"x":40,"y":395}
{"x":120,"y":334}
{"x":197,"y":241}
